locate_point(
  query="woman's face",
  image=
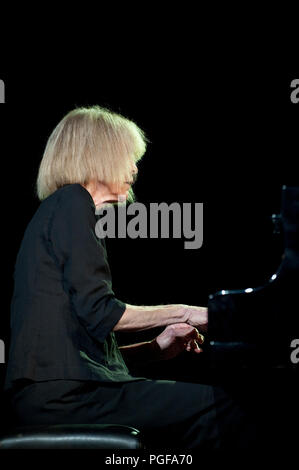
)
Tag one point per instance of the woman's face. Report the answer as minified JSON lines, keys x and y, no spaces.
{"x":102,"y":193}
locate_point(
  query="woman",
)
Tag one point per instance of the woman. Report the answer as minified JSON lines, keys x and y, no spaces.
{"x":64,"y":362}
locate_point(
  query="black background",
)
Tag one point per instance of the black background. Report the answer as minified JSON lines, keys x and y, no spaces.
{"x":222,"y":134}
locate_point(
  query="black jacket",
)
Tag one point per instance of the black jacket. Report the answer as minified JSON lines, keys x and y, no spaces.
{"x":63,"y":308}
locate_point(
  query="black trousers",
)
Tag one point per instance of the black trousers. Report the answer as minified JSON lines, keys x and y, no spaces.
{"x":170,"y":414}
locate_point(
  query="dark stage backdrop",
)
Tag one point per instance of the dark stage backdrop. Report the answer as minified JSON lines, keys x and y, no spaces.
{"x":228,"y":140}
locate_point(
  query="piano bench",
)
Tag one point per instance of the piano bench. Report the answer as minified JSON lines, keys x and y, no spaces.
{"x":73,"y":436}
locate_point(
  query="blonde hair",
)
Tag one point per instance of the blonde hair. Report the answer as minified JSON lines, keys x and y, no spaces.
{"x":90,"y":144}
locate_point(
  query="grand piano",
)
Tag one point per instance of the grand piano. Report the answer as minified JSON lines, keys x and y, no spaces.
{"x":259,"y":325}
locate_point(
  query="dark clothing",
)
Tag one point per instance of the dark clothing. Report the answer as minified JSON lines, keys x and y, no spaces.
{"x":169,"y":414}
{"x":64,"y":363}
{"x":63,"y":308}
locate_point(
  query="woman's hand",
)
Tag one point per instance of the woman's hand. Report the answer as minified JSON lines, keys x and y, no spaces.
{"x":196,"y":316}
{"x":177,"y":338}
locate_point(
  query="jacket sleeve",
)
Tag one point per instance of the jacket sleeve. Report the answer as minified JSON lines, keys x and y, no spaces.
{"x":82,"y":259}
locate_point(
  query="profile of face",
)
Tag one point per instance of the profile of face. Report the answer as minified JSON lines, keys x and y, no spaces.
{"x":102,"y":193}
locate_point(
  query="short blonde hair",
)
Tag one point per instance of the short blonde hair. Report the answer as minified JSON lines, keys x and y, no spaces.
{"x":88,"y":144}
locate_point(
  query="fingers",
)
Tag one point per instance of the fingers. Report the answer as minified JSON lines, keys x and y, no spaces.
{"x":195,"y":335}
{"x":200,"y":338}
{"x":186,"y":332}
{"x":193,"y":346}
